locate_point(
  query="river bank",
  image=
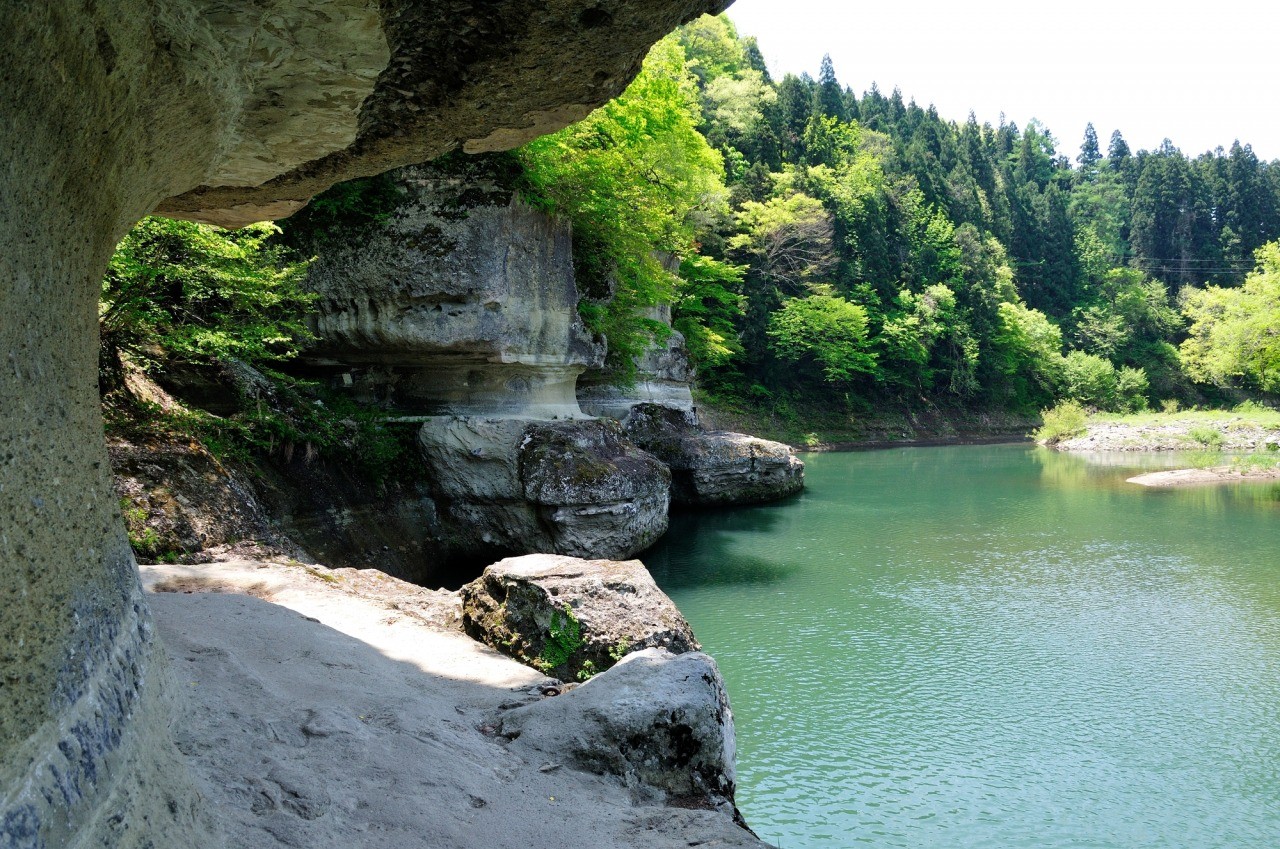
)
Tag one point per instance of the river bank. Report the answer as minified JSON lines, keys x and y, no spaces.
{"x":335,"y":708}
{"x":1227,"y":446}
{"x":1197,"y":430}
{"x":1205,"y":477}
{"x":827,"y":430}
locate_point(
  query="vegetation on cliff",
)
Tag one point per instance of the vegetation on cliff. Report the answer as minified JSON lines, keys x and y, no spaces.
{"x":824,"y":253}
{"x":971,"y":266}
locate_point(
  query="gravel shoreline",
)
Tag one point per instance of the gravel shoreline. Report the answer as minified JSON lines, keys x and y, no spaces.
{"x":1238,"y":435}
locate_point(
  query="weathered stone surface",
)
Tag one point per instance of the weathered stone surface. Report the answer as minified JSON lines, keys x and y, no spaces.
{"x":663,"y":376}
{"x":463,"y":301}
{"x":459,"y":75}
{"x":714,"y":468}
{"x":618,"y":607}
{"x":658,"y":720}
{"x":515,"y":486}
{"x":110,"y":108}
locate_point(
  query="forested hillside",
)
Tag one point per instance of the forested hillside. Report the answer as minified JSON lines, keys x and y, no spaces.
{"x":855,"y":249}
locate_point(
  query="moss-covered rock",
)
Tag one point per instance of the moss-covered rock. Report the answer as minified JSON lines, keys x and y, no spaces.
{"x":716,"y":468}
{"x":572,"y":618}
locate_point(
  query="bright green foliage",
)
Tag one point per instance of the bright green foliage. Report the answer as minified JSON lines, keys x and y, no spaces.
{"x":787,"y":240}
{"x":1064,"y":421}
{"x":1209,"y":437}
{"x":1094,"y":381}
{"x":706,"y":306}
{"x":1089,"y":379}
{"x":826,"y":331}
{"x":196,"y":293}
{"x":1131,"y":390}
{"x":563,"y":640}
{"x":635,"y":178}
{"x":927,"y":336}
{"x":1027,"y":351}
{"x":1235,"y":333}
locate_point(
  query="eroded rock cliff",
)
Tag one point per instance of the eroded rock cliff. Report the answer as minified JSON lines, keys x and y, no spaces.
{"x":459,"y":307}
{"x":234,"y":112}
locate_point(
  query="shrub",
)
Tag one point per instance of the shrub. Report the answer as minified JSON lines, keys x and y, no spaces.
{"x":1089,"y":379}
{"x":826,"y":331}
{"x":195,"y":293}
{"x":1206,"y":436}
{"x":1131,"y":390}
{"x":1064,"y":421}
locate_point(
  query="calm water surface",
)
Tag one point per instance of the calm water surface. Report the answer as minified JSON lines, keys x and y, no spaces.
{"x":995,"y":646}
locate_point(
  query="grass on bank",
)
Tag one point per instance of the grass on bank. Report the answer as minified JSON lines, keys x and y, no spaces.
{"x":1205,"y":430}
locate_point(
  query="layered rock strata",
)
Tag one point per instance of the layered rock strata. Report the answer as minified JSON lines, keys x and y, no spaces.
{"x":613,"y":609}
{"x":663,"y":376}
{"x":461,"y":309}
{"x":714,"y":468}
{"x":234,"y":112}
{"x":461,"y":302}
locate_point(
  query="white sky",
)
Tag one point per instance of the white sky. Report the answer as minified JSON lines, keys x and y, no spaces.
{"x":1201,"y":75}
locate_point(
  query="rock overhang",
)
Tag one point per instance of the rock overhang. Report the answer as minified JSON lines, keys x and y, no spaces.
{"x":457,"y":75}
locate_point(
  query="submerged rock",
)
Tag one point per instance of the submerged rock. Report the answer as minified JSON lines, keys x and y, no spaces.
{"x":714,"y":468}
{"x":508,"y":485}
{"x":613,"y":608}
{"x":659,"y":721}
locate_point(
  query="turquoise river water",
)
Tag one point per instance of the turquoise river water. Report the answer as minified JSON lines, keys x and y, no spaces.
{"x":995,"y":646}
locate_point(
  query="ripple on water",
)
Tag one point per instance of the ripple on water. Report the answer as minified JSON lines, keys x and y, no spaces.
{"x":963,"y":647}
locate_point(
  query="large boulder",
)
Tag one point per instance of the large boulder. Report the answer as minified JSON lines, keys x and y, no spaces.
{"x":602,"y":610}
{"x":658,"y":720}
{"x":714,"y":468}
{"x":516,"y":486}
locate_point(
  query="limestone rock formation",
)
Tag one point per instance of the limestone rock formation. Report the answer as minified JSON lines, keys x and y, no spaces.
{"x":462,"y":302}
{"x":616,"y":606}
{"x":659,"y":720}
{"x":461,"y":307}
{"x":663,"y":376}
{"x":234,"y":112}
{"x":714,"y":468}
{"x":515,"y":485}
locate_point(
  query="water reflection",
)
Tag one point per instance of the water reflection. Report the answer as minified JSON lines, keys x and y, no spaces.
{"x":716,"y":541}
{"x":996,"y":646}
{"x":1111,"y":470}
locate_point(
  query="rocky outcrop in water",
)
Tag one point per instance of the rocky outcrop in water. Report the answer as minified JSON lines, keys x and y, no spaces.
{"x":615,"y":608}
{"x":714,"y":468}
{"x":460,"y":308}
{"x":513,"y":485}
